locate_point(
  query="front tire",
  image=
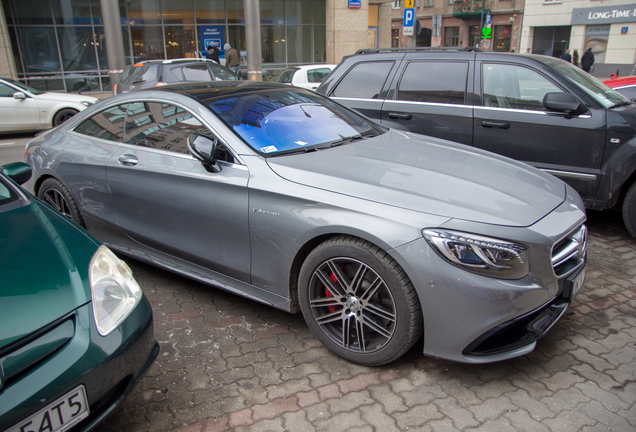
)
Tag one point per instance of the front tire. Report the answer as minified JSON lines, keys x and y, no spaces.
{"x":55,"y":194}
{"x":629,"y":210}
{"x":359,"y":302}
{"x":63,"y":115}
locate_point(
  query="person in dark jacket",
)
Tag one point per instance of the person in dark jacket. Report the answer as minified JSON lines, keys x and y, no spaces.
{"x":213,"y":54}
{"x":567,"y":57}
{"x":587,"y":60}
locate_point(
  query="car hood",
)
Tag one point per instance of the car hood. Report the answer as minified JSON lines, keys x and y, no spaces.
{"x":66,"y":97}
{"x":429,"y":175}
{"x":44,"y":269}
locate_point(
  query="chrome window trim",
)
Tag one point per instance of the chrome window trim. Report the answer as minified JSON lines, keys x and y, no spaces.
{"x":430,"y":104}
{"x":355,"y":99}
{"x":570,"y":175}
{"x":546,"y":113}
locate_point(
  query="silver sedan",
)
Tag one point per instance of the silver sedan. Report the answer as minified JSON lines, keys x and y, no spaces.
{"x":281,"y":195}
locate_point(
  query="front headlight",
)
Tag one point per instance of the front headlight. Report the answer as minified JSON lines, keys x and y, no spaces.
{"x":87,"y":103}
{"x":483,"y":255}
{"x":114,"y":289}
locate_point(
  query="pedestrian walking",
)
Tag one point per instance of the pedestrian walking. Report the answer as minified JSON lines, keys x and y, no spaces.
{"x":587,"y":60}
{"x":213,"y":54}
{"x":567,"y":57}
{"x":232,"y":58}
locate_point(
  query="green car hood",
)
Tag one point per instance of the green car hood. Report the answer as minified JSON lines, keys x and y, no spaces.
{"x":44,"y":261}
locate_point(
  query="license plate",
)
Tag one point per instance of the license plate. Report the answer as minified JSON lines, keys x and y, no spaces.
{"x":577,"y":284}
{"x":58,"y":416}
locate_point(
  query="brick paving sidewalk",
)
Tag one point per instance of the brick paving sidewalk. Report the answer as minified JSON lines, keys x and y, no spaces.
{"x":228,"y":363}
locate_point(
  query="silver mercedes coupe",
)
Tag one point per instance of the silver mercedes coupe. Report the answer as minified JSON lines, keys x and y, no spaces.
{"x":275,"y":193}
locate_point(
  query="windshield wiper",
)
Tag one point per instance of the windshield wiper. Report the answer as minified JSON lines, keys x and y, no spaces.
{"x":620,"y":104}
{"x":344,"y":139}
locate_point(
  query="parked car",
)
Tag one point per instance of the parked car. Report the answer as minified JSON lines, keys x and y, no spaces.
{"x":25,"y":109}
{"x":281,"y":195}
{"x":153,"y":73}
{"x":76,"y":332}
{"x":309,"y":76}
{"x":537,"y":109}
{"x":624,"y":85}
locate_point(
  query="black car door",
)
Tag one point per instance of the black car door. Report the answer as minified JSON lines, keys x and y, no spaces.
{"x":512,"y":121}
{"x":432,"y":97}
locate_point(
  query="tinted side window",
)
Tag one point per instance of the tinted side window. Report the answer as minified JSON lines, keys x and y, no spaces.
{"x":6,"y":91}
{"x":221,"y":74}
{"x":161,"y":126}
{"x":317,"y":75}
{"x":517,"y":87}
{"x":430,"y":81}
{"x":286,"y":76}
{"x":146,"y":73}
{"x":107,"y":124}
{"x":193,"y":73}
{"x":364,"y":80}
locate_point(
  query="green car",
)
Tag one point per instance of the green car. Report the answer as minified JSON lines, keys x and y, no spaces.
{"x":76,"y":331}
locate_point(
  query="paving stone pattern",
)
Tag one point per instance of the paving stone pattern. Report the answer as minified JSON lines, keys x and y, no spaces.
{"x":228,"y":363}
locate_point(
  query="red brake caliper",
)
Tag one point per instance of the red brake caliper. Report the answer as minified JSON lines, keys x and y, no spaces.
{"x":328,"y":293}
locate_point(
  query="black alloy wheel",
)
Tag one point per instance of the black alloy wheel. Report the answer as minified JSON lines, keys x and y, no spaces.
{"x":359,"y":302}
{"x":55,"y":194}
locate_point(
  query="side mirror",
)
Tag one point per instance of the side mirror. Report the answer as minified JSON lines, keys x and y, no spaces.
{"x":203,"y":147}
{"x":19,"y":172}
{"x":19,"y":95}
{"x":561,"y":102}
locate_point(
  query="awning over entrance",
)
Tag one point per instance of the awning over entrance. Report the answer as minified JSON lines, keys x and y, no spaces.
{"x":471,"y":16}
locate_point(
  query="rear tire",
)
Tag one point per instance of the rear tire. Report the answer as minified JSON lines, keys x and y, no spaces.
{"x":359,"y":302}
{"x":63,"y":115}
{"x":55,"y":194}
{"x":629,"y":210}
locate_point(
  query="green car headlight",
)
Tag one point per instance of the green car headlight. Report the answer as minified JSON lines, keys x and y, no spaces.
{"x":114,"y":289}
{"x":478,"y":254}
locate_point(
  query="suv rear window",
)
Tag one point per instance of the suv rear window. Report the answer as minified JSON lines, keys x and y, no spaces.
{"x":364,"y":80}
{"x":433,"y":81}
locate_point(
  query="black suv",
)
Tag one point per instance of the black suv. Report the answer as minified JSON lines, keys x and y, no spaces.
{"x":153,"y":73}
{"x":537,"y":109}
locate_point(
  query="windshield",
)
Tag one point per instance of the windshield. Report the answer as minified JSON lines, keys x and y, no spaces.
{"x":595,"y":88}
{"x":277,"y":121}
{"x":23,"y":86}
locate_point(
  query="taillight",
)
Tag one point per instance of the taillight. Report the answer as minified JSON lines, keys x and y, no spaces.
{"x":159,"y":84}
{"x":115,"y":89}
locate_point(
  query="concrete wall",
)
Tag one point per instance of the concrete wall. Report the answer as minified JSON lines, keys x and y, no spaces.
{"x":7,"y":63}
{"x":346,"y":29}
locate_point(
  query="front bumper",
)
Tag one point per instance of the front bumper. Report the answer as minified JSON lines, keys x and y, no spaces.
{"x":471,"y":318}
{"x":108,"y":367}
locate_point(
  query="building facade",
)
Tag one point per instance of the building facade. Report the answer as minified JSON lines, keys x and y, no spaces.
{"x":461,"y":23}
{"x":59,"y":45}
{"x":608,"y":28}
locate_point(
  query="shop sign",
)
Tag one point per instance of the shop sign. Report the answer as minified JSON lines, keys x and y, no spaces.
{"x":604,"y":15}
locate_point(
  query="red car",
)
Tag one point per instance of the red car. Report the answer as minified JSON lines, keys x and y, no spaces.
{"x":624,"y":85}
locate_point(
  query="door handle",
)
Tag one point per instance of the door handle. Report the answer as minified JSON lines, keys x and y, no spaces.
{"x":128,"y":160}
{"x":402,"y":116}
{"x":494,"y":124}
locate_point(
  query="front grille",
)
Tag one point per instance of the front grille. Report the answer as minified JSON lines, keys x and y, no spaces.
{"x":569,"y":253}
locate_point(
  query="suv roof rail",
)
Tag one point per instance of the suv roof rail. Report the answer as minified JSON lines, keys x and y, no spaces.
{"x":378,"y":50}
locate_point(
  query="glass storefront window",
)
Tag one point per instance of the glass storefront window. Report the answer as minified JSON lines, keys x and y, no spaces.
{"x":298,"y":12}
{"x":273,"y":44}
{"x":38,"y":48}
{"x":71,"y":12}
{"x":147,"y":43}
{"x":77,"y":49}
{"x":502,"y":38}
{"x":177,"y":12}
{"x":320,"y":12}
{"x":144,"y":11}
{"x":210,"y":11}
{"x":180,"y":41}
{"x":299,"y":40}
{"x":236,"y":37}
{"x":235,"y":13}
{"x":272,"y":12}
{"x":451,"y":36}
{"x":25,"y":13}
{"x":320,"y":43}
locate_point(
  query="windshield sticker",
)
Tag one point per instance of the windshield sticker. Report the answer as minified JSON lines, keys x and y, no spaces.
{"x":268,"y":149}
{"x":301,"y":143}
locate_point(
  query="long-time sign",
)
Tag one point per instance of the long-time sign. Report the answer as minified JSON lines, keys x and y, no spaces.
{"x":604,"y":15}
